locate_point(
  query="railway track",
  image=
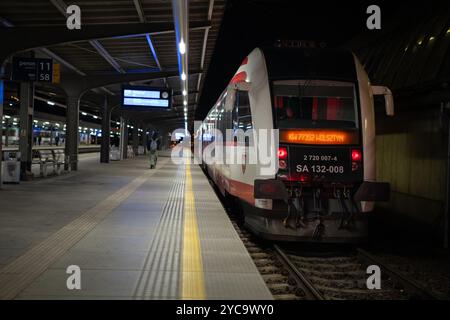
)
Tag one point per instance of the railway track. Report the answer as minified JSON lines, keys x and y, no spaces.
{"x":334,"y":275}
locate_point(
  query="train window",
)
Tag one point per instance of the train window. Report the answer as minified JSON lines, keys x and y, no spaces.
{"x":242,"y":117}
{"x":315,"y":104}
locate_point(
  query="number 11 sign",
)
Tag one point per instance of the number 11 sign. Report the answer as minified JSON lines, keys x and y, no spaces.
{"x":32,"y":69}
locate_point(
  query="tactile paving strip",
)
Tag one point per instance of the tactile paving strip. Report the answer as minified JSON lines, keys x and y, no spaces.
{"x":159,"y":279}
{"x":21,"y":272}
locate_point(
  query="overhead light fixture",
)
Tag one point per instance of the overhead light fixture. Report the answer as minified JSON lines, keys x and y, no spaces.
{"x":185,"y":102}
{"x":185,"y":109}
{"x":183,"y":76}
{"x":84,"y":113}
{"x":182,"y":47}
{"x":51,"y":103}
{"x":184,"y":93}
{"x":95,"y":117}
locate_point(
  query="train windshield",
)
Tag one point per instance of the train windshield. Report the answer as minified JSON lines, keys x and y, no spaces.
{"x":315,"y":104}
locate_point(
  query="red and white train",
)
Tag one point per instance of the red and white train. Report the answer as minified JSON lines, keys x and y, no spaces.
{"x":322,"y":103}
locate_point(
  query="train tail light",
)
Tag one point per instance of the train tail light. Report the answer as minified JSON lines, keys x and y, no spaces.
{"x":282,"y":153}
{"x":356,"y":159}
{"x":356,"y":155}
{"x":282,"y":158}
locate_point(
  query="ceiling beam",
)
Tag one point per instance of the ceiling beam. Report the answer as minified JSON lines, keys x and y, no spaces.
{"x":62,"y":7}
{"x":35,"y":37}
{"x":61,"y":60}
{"x":180,"y":12}
{"x":105,"y":54}
{"x":205,"y":43}
{"x":139,"y":10}
{"x":141,"y":14}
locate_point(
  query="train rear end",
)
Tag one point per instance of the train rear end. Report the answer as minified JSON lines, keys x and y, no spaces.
{"x":316,"y":194}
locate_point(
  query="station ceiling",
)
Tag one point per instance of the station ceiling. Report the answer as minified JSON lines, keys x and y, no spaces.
{"x":155,"y":52}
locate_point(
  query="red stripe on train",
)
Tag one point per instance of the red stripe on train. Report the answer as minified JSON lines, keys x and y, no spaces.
{"x":240,"y":77}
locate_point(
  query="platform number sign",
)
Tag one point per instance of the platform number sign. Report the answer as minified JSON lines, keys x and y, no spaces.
{"x":45,"y":70}
{"x":32,"y":69}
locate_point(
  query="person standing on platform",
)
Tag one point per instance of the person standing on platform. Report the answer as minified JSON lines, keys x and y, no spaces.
{"x":152,"y":147}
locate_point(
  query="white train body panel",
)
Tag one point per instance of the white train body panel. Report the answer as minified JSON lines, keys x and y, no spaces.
{"x":237,"y":180}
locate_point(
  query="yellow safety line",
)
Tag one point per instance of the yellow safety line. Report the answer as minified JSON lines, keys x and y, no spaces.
{"x":192,"y":279}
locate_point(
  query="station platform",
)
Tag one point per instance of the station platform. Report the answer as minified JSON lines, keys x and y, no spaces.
{"x":135,"y":233}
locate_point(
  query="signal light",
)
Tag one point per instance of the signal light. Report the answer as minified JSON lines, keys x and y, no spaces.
{"x":356,"y":155}
{"x":282,"y":153}
{"x":282,"y":164}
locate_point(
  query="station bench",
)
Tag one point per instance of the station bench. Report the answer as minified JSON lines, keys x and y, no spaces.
{"x":49,"y":158}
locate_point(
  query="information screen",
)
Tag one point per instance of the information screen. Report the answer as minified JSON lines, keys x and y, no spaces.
{"x":141,"y":98}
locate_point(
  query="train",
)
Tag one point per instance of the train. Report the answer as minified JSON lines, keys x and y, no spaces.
{"x":320,"y":103}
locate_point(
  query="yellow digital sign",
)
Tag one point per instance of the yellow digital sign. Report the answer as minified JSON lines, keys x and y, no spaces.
{"x":323,"y":136}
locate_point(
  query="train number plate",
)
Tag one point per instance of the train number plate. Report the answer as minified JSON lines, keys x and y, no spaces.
{"x":321,"y":160}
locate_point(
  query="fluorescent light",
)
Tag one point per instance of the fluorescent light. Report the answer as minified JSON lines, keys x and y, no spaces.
{"x":185,"y":109}
{"x":184,"y":93}
{"x":6,"y":116}
{"x":84,"y":113}
{"x":95,"y":117}
{"x":182,"y":47}
{"x":183,"y":76}
{"x":185,"y":102}
{"x":51,"y":103}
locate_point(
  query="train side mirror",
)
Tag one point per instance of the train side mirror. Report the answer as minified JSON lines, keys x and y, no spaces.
{"x":388,"y":98}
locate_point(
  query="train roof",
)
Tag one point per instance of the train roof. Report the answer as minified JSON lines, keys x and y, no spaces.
{"x":310,"y":63}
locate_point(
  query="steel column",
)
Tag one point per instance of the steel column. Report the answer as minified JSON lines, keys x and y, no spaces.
{"x":106,"y":130}
{"x":72,"y":132}
{"x":135,"y":138}
{"x":123,"y":138}
{"x":25,"y":134}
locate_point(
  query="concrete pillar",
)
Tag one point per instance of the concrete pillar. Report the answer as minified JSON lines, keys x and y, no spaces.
{"x":72,"y":132}
{"x":123,"y":138}
{"x":106,"y":130}
{"x":26,"y":126}
{"x":6,"y":131}
{"x":135,"y":138}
